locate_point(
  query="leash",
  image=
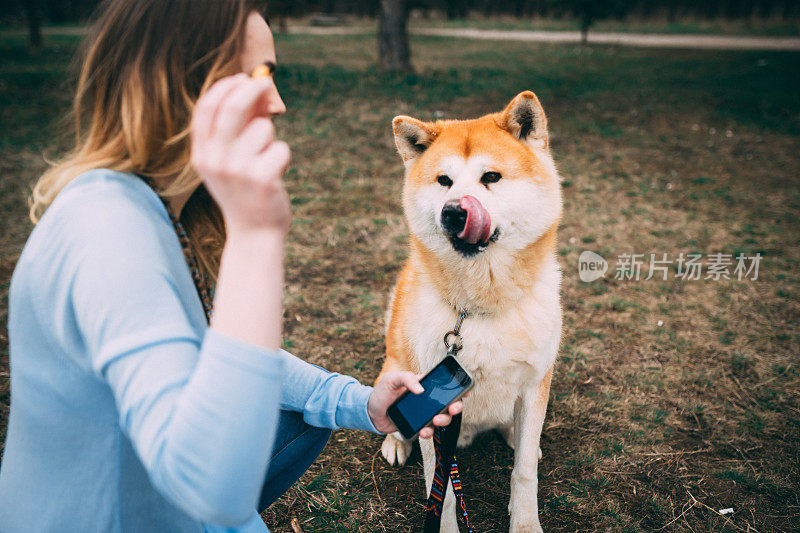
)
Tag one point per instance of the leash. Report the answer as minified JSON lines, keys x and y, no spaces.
{"x":444,"y":446}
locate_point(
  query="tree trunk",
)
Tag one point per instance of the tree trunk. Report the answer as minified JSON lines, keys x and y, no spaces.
{"x":586,"y":23}
{"x":672,"y":11}
{"x":542,"y":9}
{"x":393,"y":36}
{"x":452,"y":8}
{"x":34,"y":23}
{"x":519,"y":8}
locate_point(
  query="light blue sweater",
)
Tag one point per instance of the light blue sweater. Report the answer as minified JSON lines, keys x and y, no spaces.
{"x":127,"y":412}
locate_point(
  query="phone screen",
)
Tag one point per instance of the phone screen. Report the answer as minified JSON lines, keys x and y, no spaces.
{"x":444,"y":384}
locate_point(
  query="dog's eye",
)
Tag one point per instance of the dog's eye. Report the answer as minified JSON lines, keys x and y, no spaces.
{"x":490,"y":177}
{"x":444,"y":181}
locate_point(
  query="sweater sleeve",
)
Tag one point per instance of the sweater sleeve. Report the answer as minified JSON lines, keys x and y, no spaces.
{"x":326,"y":399}
{"x":201,"y":413}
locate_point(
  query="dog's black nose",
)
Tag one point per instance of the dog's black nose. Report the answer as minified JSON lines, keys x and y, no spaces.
{"x":453,"y":217}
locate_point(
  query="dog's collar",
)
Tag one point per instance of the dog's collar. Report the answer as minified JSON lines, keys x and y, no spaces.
{"x":462,"y":311}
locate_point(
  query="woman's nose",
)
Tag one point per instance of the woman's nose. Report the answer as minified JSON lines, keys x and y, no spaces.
{"x":276,"y":105}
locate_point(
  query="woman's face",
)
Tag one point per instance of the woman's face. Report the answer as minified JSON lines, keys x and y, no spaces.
{"x":259,"y":48}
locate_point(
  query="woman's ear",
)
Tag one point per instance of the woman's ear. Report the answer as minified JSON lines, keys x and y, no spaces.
{"x":524,"y":118}
{"x":412,"y":137}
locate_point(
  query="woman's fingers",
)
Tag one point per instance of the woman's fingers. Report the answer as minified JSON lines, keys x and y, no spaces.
{"x":206,"y":108}
{"x":235,"y":153}
{"x":441,"y":419}
{"x":412,"y":383}
{"x":238,"y":107}
{"x":405,"y":380}
{"x":274,"y":160}
{"x":255,"y":137}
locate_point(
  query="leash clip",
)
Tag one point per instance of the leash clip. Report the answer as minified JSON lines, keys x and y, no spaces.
{"x":453,"y":350}
{"x":454,"y":347}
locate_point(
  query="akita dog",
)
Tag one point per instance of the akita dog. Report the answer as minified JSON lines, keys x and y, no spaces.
{"x":483,"y":201}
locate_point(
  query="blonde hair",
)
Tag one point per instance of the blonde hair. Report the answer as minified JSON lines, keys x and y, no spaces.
{"x":145,"y":64}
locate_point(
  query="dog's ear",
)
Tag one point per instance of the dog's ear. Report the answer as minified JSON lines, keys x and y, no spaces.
{"x":524,"y":118}
{"x":412,"y":137}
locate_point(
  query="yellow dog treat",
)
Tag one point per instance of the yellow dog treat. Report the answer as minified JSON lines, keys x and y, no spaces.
{"x":264,"y":70}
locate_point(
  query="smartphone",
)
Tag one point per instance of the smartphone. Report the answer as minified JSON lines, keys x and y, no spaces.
{"x":446,"y":383}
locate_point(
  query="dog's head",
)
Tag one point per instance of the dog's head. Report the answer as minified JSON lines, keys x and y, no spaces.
{"x":475,"y":185}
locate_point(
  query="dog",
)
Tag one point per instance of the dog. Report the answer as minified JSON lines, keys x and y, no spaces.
{"x":482,"y":199}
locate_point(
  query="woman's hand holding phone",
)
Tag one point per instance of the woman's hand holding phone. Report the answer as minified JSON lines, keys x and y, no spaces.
{"x":391,"y":386}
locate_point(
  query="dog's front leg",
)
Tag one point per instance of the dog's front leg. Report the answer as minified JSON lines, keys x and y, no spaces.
{"x":449,"y":518}
{"x":529,"y":412}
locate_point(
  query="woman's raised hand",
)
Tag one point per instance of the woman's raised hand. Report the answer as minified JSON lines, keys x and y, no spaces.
{"x":235,"y":153}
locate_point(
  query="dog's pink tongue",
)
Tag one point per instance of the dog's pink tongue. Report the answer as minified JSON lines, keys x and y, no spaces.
{"x":478,"y":224}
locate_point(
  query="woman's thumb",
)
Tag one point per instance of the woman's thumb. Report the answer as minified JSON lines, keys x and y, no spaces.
{"x":409,"y":380}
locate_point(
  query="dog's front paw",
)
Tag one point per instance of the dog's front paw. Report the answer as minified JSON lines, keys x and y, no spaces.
{"x":525,"y":525}
{"x":395,"y":450}
{"x":466,"y":436}
{"x":449,"y":525}
{"x":524,"y":517}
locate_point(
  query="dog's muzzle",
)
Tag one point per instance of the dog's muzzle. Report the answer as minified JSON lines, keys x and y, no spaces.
{"x":467,"y":220}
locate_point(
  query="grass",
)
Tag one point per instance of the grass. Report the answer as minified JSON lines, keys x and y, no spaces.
{"x":670,"y":399}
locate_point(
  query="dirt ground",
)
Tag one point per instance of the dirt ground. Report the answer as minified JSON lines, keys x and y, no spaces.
{"x":671,"y":399}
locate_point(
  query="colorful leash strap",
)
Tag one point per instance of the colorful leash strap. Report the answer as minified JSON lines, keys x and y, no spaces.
{"x":204,"y":286}
{"x":444,"y":446}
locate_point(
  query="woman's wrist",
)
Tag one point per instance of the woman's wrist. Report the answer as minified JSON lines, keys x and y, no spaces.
{"x":269,"y":237}
{"x":247,"y":304}
{"x":263,"y":250}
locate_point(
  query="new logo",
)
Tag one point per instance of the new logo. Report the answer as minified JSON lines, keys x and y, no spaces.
{"x":591,"y":266}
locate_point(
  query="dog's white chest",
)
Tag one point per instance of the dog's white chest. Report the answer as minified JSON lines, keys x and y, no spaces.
{"x":503,"y":354}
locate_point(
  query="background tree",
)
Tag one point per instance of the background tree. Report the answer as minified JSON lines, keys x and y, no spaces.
{"x":34,"y":19}
{"x":36,"y":13}
{"x":589,"y":11}
{"x":393,"y":36}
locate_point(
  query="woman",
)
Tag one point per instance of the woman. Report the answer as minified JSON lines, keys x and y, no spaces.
{"x":129,"y":412}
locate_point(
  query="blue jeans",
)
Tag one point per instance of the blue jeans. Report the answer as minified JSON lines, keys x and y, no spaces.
{"x":297,"y":446}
